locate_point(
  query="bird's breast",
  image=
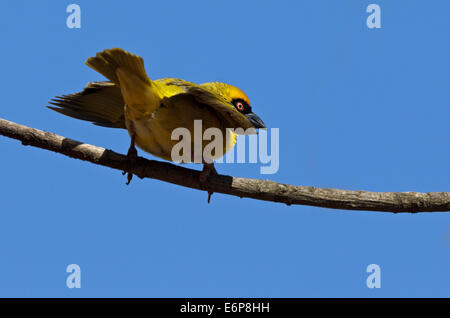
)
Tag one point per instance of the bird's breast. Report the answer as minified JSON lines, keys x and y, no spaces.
{"x":154,"y":133}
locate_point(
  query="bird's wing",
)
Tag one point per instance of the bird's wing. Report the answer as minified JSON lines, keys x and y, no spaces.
{"x":99,"y":102}
{"x":207,"y":96}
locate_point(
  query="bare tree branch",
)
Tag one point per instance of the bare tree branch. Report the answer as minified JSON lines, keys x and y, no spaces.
{"x":241,"y":187}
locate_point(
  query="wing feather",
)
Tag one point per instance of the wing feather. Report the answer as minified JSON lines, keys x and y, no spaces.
{"x":209,"y":97}
{"x":99,"y":102}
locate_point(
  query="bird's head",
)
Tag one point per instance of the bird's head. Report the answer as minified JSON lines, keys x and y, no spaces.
{"x":239,"y":100}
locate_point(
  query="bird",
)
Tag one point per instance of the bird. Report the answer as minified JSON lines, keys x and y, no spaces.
{"x":151,"y":109}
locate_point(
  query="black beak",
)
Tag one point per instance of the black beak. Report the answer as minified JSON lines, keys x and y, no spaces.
{"x":255,"y":120}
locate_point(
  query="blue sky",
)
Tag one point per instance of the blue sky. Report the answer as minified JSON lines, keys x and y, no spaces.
{"x":357,"y":108}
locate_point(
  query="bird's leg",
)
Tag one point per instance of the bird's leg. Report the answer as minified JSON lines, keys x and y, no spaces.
{"x":208,"y":170}
{"x":132,"y":157}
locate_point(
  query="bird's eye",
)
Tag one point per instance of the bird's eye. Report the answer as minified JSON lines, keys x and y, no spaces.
{"x":240,"y":106}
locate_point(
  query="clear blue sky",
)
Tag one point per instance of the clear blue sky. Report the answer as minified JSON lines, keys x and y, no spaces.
{"x":356,"y":108}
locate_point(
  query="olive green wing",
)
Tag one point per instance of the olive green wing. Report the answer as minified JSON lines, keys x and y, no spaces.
{"x":100,"y":103}
{"x":213,"y":99}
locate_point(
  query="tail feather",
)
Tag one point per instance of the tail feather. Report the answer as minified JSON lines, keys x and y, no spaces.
{"x":109,"y":61}
{"x":127,"y":71}
{"x":99,"y":102}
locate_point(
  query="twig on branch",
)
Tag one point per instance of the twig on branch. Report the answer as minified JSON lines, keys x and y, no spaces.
{"x":241,"y":187}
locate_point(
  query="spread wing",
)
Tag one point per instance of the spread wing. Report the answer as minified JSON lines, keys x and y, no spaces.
{"x":99,"y":102}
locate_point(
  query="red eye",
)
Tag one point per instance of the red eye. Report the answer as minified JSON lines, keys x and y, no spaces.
{"x":240,"y":106}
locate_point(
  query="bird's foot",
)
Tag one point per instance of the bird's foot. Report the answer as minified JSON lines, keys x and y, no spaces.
{"x":132,"y":157}
{"x":208,"y":170}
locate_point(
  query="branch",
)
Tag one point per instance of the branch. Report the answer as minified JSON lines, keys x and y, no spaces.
{"x":241,"y":187}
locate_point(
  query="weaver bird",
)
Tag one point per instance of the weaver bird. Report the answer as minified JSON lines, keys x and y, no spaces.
{"x":151,"y":109}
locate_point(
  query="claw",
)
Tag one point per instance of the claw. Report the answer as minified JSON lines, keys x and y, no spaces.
{"x":208,"y":169}
{"x":209,"y":196}
{"x":129,"y":178}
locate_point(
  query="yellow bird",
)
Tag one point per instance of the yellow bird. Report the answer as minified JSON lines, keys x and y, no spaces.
{"x":151,"y":109}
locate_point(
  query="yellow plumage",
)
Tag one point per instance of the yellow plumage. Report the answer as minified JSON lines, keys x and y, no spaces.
{"x":151,"y":109}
